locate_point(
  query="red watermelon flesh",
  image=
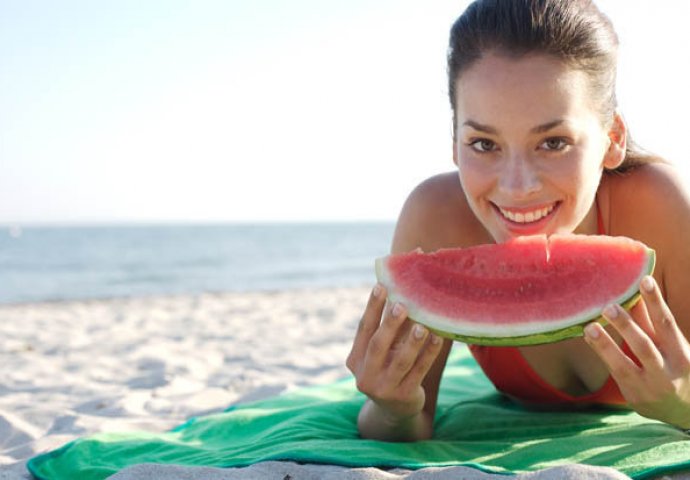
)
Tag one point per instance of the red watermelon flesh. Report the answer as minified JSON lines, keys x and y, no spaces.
{"x":528,"y":290}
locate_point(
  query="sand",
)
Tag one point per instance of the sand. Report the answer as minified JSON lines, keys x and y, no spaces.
{"x":76,"y":368}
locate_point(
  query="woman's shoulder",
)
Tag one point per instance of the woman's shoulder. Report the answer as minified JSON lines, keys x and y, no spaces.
{"x":436,"y":215}
{"x":652,"y":195}
{"x":649,"y":176}
{"x":651,"y":203}
{"x":440,"y":190}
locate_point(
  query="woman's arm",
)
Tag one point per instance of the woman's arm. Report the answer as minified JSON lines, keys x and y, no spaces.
{"x":397,"y":363}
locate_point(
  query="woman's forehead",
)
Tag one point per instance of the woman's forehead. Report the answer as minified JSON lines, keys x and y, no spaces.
{"x":495,"y":71}
{"x":538,"y":86}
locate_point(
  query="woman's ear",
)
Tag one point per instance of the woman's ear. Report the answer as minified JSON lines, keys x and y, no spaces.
{"x":618,"y":138}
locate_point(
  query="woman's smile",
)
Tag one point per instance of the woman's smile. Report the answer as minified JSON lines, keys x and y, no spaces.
{"x":526,"y":220}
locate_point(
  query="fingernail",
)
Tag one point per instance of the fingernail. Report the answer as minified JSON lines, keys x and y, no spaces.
{"x":397,"y":310}
{"x":435,"y":339}
{"x":377,"y":290}
{"x":648,"y":284}
{"x":611,"y":311}
{"x":592,"y":331}
{"x":419,"y":332}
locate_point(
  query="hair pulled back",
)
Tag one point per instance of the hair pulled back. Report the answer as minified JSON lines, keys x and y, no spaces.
{"x":574,"y":31}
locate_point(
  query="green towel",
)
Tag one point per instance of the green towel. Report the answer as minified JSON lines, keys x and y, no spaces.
{"x":475,"y":426}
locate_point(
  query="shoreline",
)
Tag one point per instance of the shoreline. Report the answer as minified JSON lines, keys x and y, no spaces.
{"x":162,"y":296}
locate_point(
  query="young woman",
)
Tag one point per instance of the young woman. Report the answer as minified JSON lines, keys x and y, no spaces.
{"x":540,"y":148}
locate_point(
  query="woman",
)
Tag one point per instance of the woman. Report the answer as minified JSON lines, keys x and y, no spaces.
{"x":540,"y":148}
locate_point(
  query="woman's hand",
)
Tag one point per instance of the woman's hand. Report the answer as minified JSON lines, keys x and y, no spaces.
{"x":659,"y":386}
{"x":390,"y":358}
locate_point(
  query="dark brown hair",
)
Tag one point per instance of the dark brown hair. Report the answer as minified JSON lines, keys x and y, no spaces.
{"x":575,"y":31}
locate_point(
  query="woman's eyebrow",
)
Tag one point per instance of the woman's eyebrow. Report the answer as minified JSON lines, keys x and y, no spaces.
{"x":547,"y":126}
{"x":478,"y":126}
{"x":491,"y":130}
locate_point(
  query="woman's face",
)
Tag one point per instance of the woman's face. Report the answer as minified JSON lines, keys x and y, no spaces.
{"x":530,"y":146}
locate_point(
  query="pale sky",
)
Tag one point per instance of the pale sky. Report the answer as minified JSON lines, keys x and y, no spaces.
{"x":263,"y":110}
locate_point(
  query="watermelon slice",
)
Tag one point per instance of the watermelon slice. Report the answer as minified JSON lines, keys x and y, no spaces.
{"x":527,"y":291}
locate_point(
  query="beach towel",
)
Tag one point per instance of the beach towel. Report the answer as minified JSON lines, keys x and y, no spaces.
{"x":475,"y":426}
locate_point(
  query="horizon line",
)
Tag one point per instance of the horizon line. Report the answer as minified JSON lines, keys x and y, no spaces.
{"x":183,"y":223}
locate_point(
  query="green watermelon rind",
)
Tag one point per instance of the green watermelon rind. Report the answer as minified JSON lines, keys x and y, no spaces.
{"x":535,"y":339}
{"x":574,"y":328}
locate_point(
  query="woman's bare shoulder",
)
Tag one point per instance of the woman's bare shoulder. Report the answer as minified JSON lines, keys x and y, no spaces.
{"x":651,"y":201}
{"x":440,"y":191}
{"x":435,"y":215}
{"x":652,"y":204}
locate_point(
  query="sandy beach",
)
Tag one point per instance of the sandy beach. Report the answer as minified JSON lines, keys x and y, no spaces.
{"x":76,"y":368}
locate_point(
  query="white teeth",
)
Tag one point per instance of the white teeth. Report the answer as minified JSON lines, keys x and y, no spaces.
{"x":528,"y":217}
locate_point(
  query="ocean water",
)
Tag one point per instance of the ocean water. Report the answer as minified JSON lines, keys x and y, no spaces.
{"x":64,"y":263}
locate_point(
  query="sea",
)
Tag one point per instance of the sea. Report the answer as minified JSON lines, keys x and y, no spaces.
{"x":39,"y":264}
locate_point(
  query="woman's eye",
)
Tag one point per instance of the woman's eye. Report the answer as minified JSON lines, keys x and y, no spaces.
{"x":554,"y":144}
{"x":483,"y":145}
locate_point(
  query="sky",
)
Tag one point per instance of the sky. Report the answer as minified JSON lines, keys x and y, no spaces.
{"x":263,"y":110}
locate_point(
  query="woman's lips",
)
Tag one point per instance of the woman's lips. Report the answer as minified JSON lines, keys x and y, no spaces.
{"x":526,"y":219}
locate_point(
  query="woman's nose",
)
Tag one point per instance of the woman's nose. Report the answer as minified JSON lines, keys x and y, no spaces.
{"x":519,"y":178}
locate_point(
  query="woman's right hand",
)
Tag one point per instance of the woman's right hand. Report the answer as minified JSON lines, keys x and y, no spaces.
{"x":390,"y":357}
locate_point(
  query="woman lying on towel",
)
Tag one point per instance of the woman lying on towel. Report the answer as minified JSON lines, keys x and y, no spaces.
{"x":540,"y":147}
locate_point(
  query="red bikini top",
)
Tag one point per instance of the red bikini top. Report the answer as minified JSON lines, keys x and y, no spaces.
{"x":511,"y":374}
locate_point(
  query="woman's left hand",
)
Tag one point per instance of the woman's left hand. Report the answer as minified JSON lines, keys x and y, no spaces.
{"x":659,"y":386}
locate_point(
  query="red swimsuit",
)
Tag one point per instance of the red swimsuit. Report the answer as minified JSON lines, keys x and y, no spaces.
{"x":511,"y":374}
